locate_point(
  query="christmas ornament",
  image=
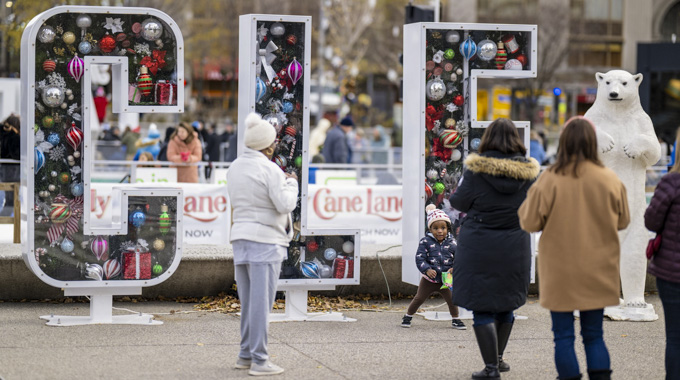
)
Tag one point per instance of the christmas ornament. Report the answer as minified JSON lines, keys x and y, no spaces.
{"x":474,"y":144}
{"x":325,"y":271}
{"x":46,"y":34}
{"x":100,"y":248}
{"x":152,"y":29}
{"x":448,"y":66}
{"x":158,"y":244}
{"x":449,"y":54}
{"x":77,"y":189}
{"x":164,"y":220}
{"x":107,"y":43}
{"x":454,"y":77}
{"x":486,"y":50}
{"x":432,"y":174}
{"x":260,"y":89}
{"x":450,"y":123}
{"x":513,"y":64}
{"x":295,"y":71}
{"x":456,"y":155}
{"x":435,"y":89}
{"x":459,"y":71}
{"x":53,"y":138}
{"x":54,"y":174}
{"x":67,"y":245}
{"x":501,"y":57}
{"x":120,"y":37}
{"x":312,"y":246}
{"x":330,"y":254}
{"x":137,"y":218}
{"x":277,"y":29}
{"x":522,"y":59}
{"x":49,"y":65}
{"x":429,"y":65}
{"x":74,"y":136}
{"x":111,"y":269}
{"x":157,"y":269}
{"x":94,"y":272}
{"x":290,"y":131}
{"x":348,"y":247}
{"x":439,"y":188}
{"x":287,"y":107}
{"x":85,"y":47}
{"x":83,"y":21}
{"x":458,"y":100}
{"x":452,"y":37}
{"x":136,"y":28}
{"x":52,"y":96}
{"x":155,"y":61}
{"x":51,"y":187}
{"x":309,"y":269}
{"x":76,"y":68}
{"x":511,"y":44}
{"x":428,"y":190}
{"x":38,"y":160}
{"x":468,"y":48}
{"x":71,"y":161}
{"x":76,"y":154}
{"x":68,"y":38}
{"x":298,"y":161}
{"x":274,"y":120}
{"x":450,"y":138}
{"x":291,"y":39}
{"x":280,"y":161}
{"x":144,"y":83}
{"x":64,"y":177}
{"x":437,"y":71}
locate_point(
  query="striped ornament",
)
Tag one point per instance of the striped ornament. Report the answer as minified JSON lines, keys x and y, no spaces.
{"x":76,"y":68}
{"x":428,"y":190}
{"x":100,"y":248}
{"x":280,"y":161}
{"x":290,"y":131}
{"x":450,"y":138}
{"x":112,"y":269}
{"x":59,"y":213}
{"x":310,"y":269}
{"x":74,"y":136}
{"x":39,"y":160}
{"x":501,"y":57}
{"x":49,"y":65}
{"x":468,"y":48}
{"x":260,"y":89}
{"x":144,"y":82}
{"x":295,"y":71}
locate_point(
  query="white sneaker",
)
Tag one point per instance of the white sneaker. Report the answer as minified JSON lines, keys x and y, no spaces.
{"x":266,"y":369}
{"x":242,"y":363}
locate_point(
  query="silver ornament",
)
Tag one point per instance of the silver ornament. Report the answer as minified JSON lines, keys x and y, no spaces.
{"x":69,"y":92}
{"x":64,"y":105}
{"x":274,"y":120}
{"x":67,"y":245}
{"x":459,"y":71}
{"x":452,"y":37}
{"x":486,"y":50}
{"x":432,"y":174}
{"x":152,"y":29}
{"x":84,"y":21}
{"x":277,"y":29}
{"x":53,"y":96}
{"x":46,"y":34}
{"x":94,"y":272}
{"x":76,"y":154}
{"x":54,"y":173}
{"x":435,"y":89}
{"x":51,"y":187}
{"x":474,"y":144}
{"x":330,"y":254}
{"x":454,"y":77}
{"x":325,"y":271}
{"x":85,"y":47}
{"x":348,"y":247}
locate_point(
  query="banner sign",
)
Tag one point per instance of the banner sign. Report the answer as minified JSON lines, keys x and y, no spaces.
{"x":155,"y":175}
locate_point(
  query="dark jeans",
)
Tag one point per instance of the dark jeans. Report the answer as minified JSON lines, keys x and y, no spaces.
{"x":597,"y":355}
{"x":425,"y":289}
{"x":8,"y":173}
{"x":669,"y":292}
{"x":481,"y":318}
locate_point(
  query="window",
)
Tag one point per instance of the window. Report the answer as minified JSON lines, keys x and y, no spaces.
{"x":596,"y":33}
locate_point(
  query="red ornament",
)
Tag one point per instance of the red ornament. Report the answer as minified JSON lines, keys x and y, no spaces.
{"x":107,"y":44}
{"x":428,"y":190}
{"x":49,"y":65}
{"x":144,"y":83}
{"x":290,"y":131}
{"x":522,"y":59}
{"x":501,"y":57}
{"x":291,"y":39}
{"x":120,"y":37}
{"x":458,"y":100}
{"x":312,"y":246}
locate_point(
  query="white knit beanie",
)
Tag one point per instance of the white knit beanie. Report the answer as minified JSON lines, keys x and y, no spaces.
{"x":434,"y":214}
{"x":259,"y":133}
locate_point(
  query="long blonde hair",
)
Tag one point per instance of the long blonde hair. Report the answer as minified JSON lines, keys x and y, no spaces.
{"x":676,"y":165}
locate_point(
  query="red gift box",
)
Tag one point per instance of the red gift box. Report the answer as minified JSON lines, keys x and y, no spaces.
{"x":343,"y":267}
{"x":165,"y":93}
{"x":136,"y":265}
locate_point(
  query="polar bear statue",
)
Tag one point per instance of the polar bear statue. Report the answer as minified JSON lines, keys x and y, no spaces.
{"x":628,"y":145}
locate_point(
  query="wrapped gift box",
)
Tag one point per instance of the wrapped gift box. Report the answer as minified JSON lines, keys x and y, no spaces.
{"x":134,"y":94}
{"x":343,"y":267}
{"x":165,"y":93}
{"x":136,"y":265}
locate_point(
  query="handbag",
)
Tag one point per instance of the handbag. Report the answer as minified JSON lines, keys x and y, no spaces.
{"x":653,"y":246}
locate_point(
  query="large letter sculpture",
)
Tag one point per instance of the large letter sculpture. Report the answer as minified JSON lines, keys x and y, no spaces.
{"x":441,"y":126}
{"x":274,"y":70}
{"x":62,"y":244}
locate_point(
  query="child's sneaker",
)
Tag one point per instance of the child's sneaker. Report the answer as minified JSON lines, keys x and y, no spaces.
{"x":406,"y":321}
{"x":458,"y":324}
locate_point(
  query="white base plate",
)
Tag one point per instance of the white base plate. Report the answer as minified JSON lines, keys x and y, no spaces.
{"x":68,"y":320}
{"x":633,"y":314}
{"x":445,"y":316}
{"x":310,"y":317}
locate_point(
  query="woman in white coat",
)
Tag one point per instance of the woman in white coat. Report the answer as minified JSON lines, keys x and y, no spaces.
{"x":262,"y":197}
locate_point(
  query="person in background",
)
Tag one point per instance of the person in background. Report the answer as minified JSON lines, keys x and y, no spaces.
{"x":184,"y":147}
{"x":145,"y":157}
{"x":336,"y":147}
{"x":262,"y":197}
{"x":150,"y":144}
{"x":228,"y":131}
{"x":358,"y":143}
{"x":129,"y":140}
{"x":10,"y":148}
{"x":536,"y":147}
{"x":317,"y":136}
{"x":663,"y":217}
{"x":100,"y":103}
{"x":579,"y":270}
{"x":232,"y":151}
{"x":212,"y":147}
{"x":111,"y":134}
{"x":380,"y":143}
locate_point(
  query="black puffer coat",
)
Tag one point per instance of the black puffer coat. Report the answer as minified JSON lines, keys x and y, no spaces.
{"x":493,"y":260}
{"x":663,"y":215}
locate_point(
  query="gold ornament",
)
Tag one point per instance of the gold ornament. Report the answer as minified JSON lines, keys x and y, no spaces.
{"x":450,"y":123}
{"x":158,"y":244}
{"x":69,"y":37}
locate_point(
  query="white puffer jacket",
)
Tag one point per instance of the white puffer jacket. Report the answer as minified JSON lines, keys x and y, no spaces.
{"x":261,"y":198}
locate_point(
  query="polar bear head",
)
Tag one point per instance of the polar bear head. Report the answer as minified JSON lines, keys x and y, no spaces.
{"x":618,"y":87}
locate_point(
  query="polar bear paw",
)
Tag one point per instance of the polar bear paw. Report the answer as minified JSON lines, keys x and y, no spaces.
{"x":636,"y":302}
{"x":605,"y":142}
{"x":632,"y":151}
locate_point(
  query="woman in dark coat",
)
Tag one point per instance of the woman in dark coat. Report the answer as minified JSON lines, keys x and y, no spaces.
{"x":663,"y":217}
{"x":491,"y":272}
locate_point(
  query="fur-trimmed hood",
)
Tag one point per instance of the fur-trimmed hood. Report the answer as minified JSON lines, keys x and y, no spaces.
{"x":506,"y":173}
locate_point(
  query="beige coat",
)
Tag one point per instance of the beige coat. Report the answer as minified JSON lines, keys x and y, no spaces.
{"x":175,"y":147}
{"x":578,"y":253}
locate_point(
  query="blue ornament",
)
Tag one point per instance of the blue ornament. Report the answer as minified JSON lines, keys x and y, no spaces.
{"x":137,"y":218}
{"x":39,"y":160}
{"x":85,"y":47}
{"x":287,"y":107}
{"x":474,"y":144}
{"x":310,"y":269}
{"x":468,"y":48}
{"x":77,"y":189}
{"x":260,"y":89}
{"x":67,"y":245}
{"x":330,"y":254}
{"x":53,"y":138}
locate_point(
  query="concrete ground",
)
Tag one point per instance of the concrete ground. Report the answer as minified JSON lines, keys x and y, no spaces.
{"x":204,"y":345}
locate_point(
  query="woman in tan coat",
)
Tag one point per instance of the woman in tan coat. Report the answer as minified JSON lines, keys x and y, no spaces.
{"x":580,"y":206}
{"x":184,"y":147}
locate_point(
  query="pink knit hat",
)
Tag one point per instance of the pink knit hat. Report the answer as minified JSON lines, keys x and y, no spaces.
{"x":434,"y":214}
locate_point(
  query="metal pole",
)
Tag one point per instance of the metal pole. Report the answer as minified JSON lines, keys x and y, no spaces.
{"x":436,"y":5}
{"x":322,"y":46}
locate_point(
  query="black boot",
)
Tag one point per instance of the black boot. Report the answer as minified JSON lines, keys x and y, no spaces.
{"x":503,"y":331}
{"x":488,"y":346}
{"x":600,"y":374}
